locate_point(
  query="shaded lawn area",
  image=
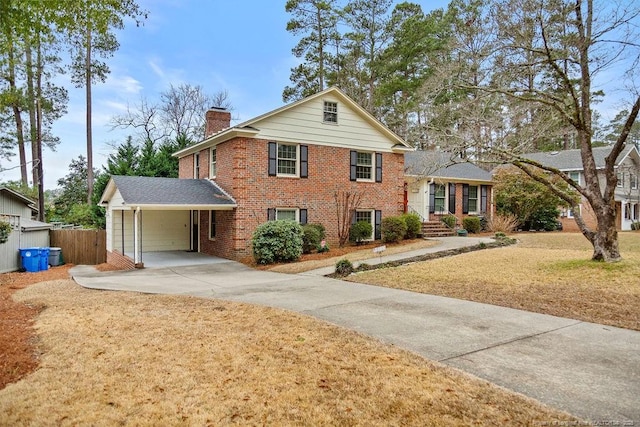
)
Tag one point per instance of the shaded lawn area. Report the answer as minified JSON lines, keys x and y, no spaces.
{"x":110,"y":358}
{"x":548,"y":273}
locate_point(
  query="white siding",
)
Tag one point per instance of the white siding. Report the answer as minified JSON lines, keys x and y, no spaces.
{"x":161,"y":230}
{"x":417,"y":197}
{"x":304,"y":124}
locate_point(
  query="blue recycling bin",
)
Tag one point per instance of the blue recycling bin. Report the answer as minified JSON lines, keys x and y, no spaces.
{"x":44,"y":259}
{"x":30,"y":259}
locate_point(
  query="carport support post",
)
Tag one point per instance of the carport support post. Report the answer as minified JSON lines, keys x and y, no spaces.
{"x":136,"y":238}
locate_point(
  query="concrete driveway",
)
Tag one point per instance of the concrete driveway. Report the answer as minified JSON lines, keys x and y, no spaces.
{"x":589,"y":370}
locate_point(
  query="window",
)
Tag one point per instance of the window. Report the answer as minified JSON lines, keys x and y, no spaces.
{"x":330,"y":113}
{"x":364,"y":166}
{"x":440,"y":195}
{"x":212,"y":225}
{"x":633,"y":179}
{"x":287,"y":159}
{"x":287,"y":214}
{"x":196,"y":165}
{"x":570,"y":212}
{"x":473,"y":198}
{"x":620,"y":179}
{"x":212,"y":167}
{"x":575,"y":176}
{"x":366,"y":216}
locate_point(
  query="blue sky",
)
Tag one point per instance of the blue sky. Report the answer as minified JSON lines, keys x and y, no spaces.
{"x":240,"y":46}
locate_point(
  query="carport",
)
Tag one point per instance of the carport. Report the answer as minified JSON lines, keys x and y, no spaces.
{"x":153,"y":215}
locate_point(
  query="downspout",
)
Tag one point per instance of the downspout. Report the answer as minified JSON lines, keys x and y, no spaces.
{"x":428,"y":212}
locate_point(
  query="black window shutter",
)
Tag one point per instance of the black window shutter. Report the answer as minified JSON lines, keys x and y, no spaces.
{"x":378,"y":225}
{"x":483,"y":198}
{"x":271,"y":214}
{"x":465,"y":198}
{"x":378,"y":167}
{"x":354,"y":162}
{"x":432,"y":198}
{"x":304,"y":161}
{"x":273,"y":153}
{"x":452,"y":198}
{"x":303,"y":216}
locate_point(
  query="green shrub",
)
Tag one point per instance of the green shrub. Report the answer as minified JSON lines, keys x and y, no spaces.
{"x":450,"y":220}
{"x":323,"y":247}
{"x":471,"y":224}
{"x":5,"y":230}
{"x":393,"y":229}
{"x":311,"y":238}
{"x":360,"y":231}
{"x":344,"y":267}
{"x":320,"y":229}
{"x":277,"y":241}
{"x":635,"y":225}
{"x":414,"y":225}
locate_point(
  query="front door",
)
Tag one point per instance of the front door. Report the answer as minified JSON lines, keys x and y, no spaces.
{"x":195,"y":221}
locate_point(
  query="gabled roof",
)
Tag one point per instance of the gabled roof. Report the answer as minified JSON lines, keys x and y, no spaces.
{"x":440,"y":164}
{"x":570,"y":160}
{"x":167,"y":193}
{"x":247,"y":128}
{"x":15,"y":195}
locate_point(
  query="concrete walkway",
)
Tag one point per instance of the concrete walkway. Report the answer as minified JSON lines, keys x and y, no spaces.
{"x":589,"y":370}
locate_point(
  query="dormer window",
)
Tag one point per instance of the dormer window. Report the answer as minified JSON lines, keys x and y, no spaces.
{"x":330,"y":114}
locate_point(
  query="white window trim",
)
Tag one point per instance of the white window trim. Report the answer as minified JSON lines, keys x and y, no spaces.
{"x":373,"y":166}
{"x":328,"y":122}
{"x":620,"y":176}
{"x":196,"y":165}
{"x":445,"y":204}
{"x":297,"y":211}
{"x":579,"y":176}
{"x":633,"y":180}
{"x":477,"y":199}
{"x":212,"y":163}
{"x":288,"y":175}
{"x":372,"y":221}
{"x":570,"y":211}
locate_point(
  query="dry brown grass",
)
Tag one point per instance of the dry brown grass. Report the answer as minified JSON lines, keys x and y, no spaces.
{"x":547,"y":273}
{"x":114,"y":358}
{"x":352,"y":253}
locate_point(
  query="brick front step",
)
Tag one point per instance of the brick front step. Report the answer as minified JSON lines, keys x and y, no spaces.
{"x":436,"y":229}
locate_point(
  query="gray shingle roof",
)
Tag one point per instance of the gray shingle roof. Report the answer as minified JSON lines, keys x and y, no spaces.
{"x":440,"y":164}
{"x":570,"y":159}
{"x":144,"y":190}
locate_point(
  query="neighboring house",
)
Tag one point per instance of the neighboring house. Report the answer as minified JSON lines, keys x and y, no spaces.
{"x":438,"y":184}
{"x":627,"y":194}
{"x":19,"y":211}
{"x":286,"y":164}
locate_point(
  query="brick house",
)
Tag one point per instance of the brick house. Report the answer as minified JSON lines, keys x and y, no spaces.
{"x":627,"y":194}
{"x":439,"y":183}
{"x":288,"y":163}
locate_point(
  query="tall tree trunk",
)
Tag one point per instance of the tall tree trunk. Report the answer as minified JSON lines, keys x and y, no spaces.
{"x":17,"y":115}
{"x":40,"y":169}
{"x":31,"y":99}
{"x":89,"y":125}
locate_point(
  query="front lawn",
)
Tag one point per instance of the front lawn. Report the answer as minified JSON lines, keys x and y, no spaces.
{"x":547,"y":273}
{"x":118,"y":358}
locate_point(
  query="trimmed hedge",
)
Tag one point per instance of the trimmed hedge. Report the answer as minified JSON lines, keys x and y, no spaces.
{"x":471,"y":224}
{"x":414,"y":225}
{"x":393,"y":229}
{"x":311,"y":238}
{"x":450,"y":220}
{"x":360,"y":231}
{"x":277,"y":241}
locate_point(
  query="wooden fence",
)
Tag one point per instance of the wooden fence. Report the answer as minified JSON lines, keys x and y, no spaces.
{"x":87,"y":247}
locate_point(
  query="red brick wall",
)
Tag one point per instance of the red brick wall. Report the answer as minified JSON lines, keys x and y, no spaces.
{"x":242,"y":172}
{"x":121,"y":261}
{"x":589,"y":217}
